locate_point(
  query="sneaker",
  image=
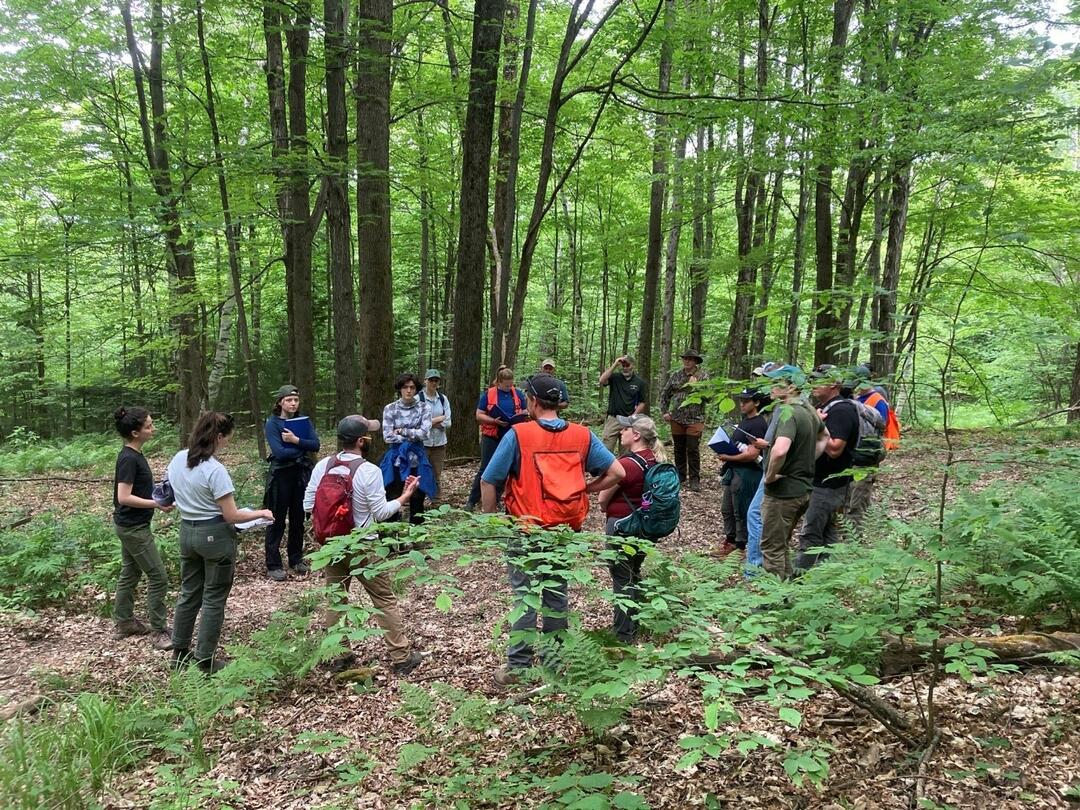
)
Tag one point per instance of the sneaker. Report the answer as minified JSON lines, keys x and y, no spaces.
{"x":301,"y":568}
{"x":409,"y":664}
{"x":181,"y":659}
{"x":213,"y":665}
{"x":504,"y":676}
{"x":277,"y":574}
{"x":130,"y":627}
{"x":162,"y":639}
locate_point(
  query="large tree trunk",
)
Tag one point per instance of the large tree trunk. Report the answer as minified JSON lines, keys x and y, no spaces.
{"x":827,"y":321}
{"x":179,"y":245}
{"x":699,"y":267}
{"x":464,"y":376}
{"x":338,"y":225}
{"x":657,"y":193}
{"x":671,"y":259}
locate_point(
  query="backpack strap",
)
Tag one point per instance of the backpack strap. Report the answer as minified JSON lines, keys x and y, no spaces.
{"x":353,"y":465}
{"x":644,"y":465}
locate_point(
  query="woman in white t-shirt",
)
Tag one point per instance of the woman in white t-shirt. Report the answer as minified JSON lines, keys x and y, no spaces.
{"x":204,"y":499}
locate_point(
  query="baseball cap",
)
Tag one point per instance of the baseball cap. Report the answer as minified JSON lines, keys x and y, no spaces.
{"x":355,"y":426}
{"x":643,"y":424}
{"x":286,"y":390}
{"x":827,"y":373}
{"x":545,"y":387}
{"x":547,"y":361}
{"x":432,"y":374}
{"x":761,"y":370}
{"x":629,"y":360}
{"x":786,"y":372}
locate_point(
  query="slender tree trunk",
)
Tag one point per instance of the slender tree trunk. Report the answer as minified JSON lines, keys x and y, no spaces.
{"x":699,"y":270}
{"x":232,"y":240}
{"x":671,"y":259}
{"x":465,"y":370}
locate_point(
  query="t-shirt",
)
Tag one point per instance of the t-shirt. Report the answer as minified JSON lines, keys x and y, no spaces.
{"x":369,"y":504}
{"x":508,"y":455}
{"x":505,"y":401}
{"x":631,"y":486}
{"x":756,"y":427}
{"x":132,"y":468}
{"x":800,"y":423}
{"x":842,"y":420}
{"x":625,"y":393}
{"x":198,"y":489}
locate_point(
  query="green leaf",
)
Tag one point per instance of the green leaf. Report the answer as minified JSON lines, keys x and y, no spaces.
{"x":790,"y":716}
{"x":443,"y":602}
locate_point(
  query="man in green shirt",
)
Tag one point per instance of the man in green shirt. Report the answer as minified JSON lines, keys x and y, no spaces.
{"x":789,"y":476}
{"x":628,"y":394}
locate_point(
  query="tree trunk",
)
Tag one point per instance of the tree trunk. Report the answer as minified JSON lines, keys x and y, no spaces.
{"x":699,"y":266}
{"x":232,"y":244}
{"x":671,"y":258}
{"x":657,"y":194}
{"x":179,"y":245}
{"x":464,"y":376}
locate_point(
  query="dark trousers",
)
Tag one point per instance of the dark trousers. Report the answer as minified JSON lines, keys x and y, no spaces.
{"x":488,"y":445}
{"x":526,"y":566}
{"x":286,"y":500}
{"x":625,"y":582}
{"x":416,"y":502}
{"x":687,"y":441}
{"x":207,"y":563}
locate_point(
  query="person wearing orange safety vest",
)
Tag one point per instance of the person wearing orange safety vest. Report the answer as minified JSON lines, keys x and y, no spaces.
{"x":496,"y":408}
{"x":543,"y":463}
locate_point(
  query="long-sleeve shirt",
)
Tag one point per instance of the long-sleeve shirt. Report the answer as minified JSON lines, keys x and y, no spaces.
{"x":676,"y":390}
{"x":283,"y":452}
{"x":439,"y":406}
{"x":414,"y":421}
{"x":369,"y":504}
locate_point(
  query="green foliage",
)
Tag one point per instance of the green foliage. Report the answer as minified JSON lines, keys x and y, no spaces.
{"x":26,"y":453}
{"x":51,"y":560}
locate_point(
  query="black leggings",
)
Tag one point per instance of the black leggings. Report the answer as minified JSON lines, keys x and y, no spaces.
{"x":416,"y":502}
{"x":286,"y":499}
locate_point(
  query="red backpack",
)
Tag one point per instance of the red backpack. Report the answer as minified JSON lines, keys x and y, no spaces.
{"x":332,"y":515}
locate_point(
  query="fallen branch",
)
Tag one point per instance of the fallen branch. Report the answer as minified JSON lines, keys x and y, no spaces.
{"x":52,"y":478}
{"x":29,"y":705}
{"x":1025,"y":648}
{"x":920,"y":776}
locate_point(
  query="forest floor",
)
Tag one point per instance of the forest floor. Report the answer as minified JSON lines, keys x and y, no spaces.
{"x":1010,"y":741}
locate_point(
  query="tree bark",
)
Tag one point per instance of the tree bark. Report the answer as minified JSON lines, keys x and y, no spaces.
{"x":671,"y":259}
{"x":464,"y":376}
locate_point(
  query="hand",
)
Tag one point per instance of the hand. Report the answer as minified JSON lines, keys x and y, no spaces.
{"x":822,"y":414}
{"x":691,"y":379}
{"x":265,"y":513}
{"x":502,"y":423}
{"x":289,"y":437}
{"x":772,"y":477}
{"x":411,"y":483}
{"x":168,"y":508}
{"x":667,"y":417}
{"x":398,"y":431}
{"x":760,"y":444}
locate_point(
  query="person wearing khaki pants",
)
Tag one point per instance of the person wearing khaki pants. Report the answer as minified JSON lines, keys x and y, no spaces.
{"x":369,"y":506}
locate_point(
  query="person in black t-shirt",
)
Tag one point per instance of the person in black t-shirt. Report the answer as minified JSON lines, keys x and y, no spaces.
{"x":133,"y":508}
{"x":841,"y":417}
{"x":628,"y":394}
{"x":742,"y":472}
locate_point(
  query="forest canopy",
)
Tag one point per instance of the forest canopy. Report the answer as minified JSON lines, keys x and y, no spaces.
{"x":205,"y":199}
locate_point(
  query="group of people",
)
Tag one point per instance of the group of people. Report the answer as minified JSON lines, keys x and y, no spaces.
{"x":541,"y":466}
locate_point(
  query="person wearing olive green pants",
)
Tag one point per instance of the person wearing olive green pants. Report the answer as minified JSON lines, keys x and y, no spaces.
{"x":207,"y":564}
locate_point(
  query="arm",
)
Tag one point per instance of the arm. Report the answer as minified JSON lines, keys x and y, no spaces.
{"x":231,"y":514}
{"x":665,"y":394}
{"x":447,"y":416}
{"x":776,"y":458}
{"x":278,"y":448}
{"x":605,"y":376}
{"x":611,"y":477}
{"x":125,"y":498}
{"x":833,"y":448}
{"x":313,"y":484}
{"x":643,"y":405}
{"x":822,"y":441}
{"x":751,"y":453}
{"x":483,"y":419}
{"x":388,"y":434}
{"x":421,"y":433}
{"x":371,"y":496}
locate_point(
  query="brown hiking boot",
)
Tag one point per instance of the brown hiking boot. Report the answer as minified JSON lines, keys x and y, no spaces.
{"x":130,"y":627}
{"x":504,"y":676}
{"x":414,"y":660}
{"x":162,"y":639}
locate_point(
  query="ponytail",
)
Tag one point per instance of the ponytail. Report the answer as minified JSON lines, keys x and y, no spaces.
{"x":204,"y":436}
{"x":657,"y":448}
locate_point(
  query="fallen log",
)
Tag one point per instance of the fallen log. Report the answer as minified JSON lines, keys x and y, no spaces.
{"x":1031,"y":649}
{"x":25,"y":706}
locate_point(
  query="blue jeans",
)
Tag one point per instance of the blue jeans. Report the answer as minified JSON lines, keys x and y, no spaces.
{"x":754,"y":557}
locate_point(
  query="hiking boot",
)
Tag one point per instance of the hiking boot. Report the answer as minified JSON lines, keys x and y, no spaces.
{"x":277,"y":574}
{"x":181,"y":659}
{"x":695,"y":485}
{"x":409,"y":664}
{"x":505,"y":676}
{"x":130,"y":627}
{"x":301,"y":569}
{"x":213,"y":665}
{"x":162,"y":639}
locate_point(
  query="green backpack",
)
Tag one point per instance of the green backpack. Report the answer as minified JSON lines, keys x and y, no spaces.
{"x":658,"y":515}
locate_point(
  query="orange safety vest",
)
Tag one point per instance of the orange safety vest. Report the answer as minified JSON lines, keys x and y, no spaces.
{"x":891,"y":436}
{"x":549,"y":488}
{"x":492,"y":401}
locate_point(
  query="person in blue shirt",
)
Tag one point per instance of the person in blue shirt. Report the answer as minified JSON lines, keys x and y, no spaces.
{"x":286,"y":480}
{"x":494,"y":409}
